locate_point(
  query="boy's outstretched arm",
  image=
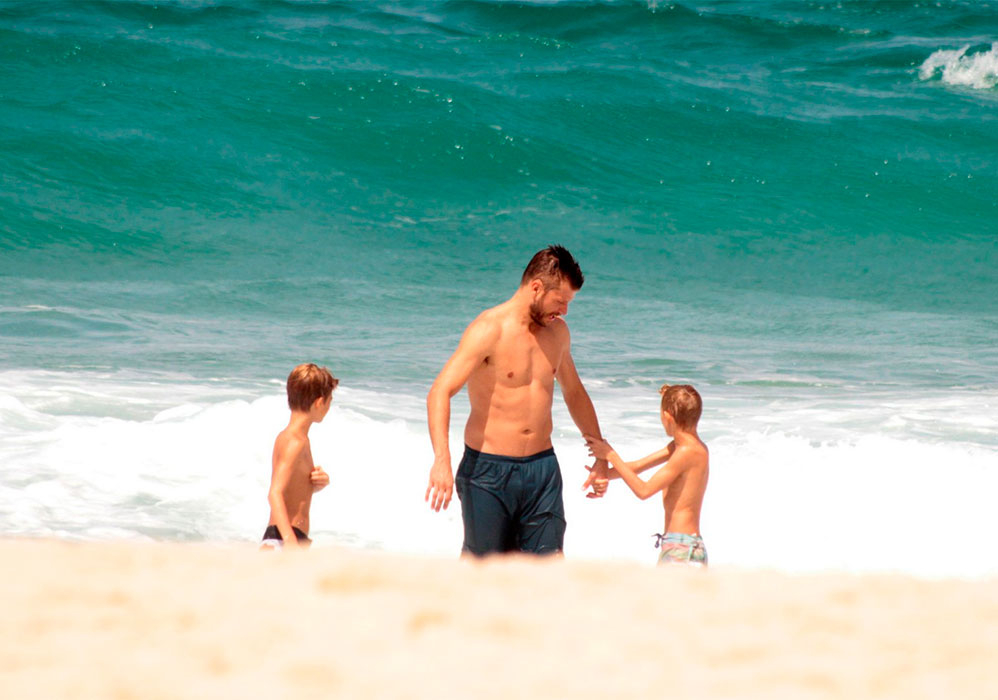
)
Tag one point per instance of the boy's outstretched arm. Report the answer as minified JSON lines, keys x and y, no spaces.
{"x":283,"y":469}
{"x":647,"y":462}
{"x":675,"y":464}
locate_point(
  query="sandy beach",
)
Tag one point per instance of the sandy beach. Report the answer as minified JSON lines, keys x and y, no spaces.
{"x":133,"y":620}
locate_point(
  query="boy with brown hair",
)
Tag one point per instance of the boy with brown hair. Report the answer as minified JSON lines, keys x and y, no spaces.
{"x":294,"y":477}
{"x":682,"y":481}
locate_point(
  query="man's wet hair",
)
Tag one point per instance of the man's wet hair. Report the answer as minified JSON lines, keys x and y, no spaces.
{"x":309,"y":382}
{"x":683,"y":403}
{"x":552,"y":265}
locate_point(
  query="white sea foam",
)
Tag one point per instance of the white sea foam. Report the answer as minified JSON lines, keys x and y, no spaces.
{"x":199,"y":469}
{"x":978,"y":70}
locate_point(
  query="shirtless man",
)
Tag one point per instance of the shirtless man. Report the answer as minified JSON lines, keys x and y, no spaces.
{"x":509,"y":481}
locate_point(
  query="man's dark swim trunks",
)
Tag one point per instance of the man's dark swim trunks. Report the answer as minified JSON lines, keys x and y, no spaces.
{"x":272,"y":536}
{"x":511,"y":504}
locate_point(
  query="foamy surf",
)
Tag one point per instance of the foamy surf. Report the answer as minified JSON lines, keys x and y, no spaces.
{"x":199,"y":470}
{"x":977,"y":70}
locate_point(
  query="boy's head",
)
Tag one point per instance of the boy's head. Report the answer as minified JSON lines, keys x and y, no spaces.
{"x":307,"y":383}
{"x":682,"y":403}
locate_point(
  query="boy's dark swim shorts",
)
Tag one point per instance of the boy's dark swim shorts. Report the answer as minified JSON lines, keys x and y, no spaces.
{"x":272,"y":536}
{"x":511,"y":504}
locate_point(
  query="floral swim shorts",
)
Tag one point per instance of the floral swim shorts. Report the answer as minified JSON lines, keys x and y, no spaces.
{"x":680,"y":548}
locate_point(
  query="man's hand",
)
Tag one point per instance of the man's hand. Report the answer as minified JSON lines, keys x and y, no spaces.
{"x":320,"y":479}
{"x":597,"y":479}
{"x":441,"y":486}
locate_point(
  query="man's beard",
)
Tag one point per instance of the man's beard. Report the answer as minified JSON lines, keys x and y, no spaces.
{"x":537,"y":314}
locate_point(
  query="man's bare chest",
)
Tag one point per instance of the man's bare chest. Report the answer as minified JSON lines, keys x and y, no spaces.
{"x":524,"y":359}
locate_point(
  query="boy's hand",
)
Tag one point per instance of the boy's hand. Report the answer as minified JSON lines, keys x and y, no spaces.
{"x":598,"y":447}
{"x":320,"y":479}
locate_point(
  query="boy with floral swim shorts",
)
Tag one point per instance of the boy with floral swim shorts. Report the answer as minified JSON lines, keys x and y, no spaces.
{"x":682,"y":481}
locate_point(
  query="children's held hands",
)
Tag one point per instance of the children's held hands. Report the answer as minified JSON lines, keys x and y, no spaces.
{"x":441,"y":486}
{"x":320,"y":479}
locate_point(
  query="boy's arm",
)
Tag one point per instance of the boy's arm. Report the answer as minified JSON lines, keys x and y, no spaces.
{"x":645,"y":463}
{"x":676,"y":463}
{"x":660,"y":480}
{"x":475,"y":346}
{"x":284,"y":463}
{"x":580,"y":407}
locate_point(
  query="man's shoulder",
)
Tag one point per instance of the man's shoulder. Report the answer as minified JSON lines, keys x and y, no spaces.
{"x":559,"y":328}
{"x":491,"y":315}
{"x":488,"y":324}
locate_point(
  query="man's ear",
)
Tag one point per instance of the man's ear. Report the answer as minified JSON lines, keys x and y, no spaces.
{"x":536,"y":285}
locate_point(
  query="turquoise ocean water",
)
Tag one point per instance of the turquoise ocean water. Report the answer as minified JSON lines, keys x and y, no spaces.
{"x":791,"y":205}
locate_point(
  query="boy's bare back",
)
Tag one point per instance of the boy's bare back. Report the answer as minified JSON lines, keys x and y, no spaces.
{"x":683,"y":497}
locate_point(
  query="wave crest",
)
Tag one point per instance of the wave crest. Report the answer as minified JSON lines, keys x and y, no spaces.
{"x":977,"y":70}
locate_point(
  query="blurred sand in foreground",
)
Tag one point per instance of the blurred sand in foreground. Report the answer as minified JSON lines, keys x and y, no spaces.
{"x":131,"y":620}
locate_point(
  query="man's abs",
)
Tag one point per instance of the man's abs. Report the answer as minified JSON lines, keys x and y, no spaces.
{"x":515,"y":422}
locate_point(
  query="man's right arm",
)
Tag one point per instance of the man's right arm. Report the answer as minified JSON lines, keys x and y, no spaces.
{"x":476,"y":344}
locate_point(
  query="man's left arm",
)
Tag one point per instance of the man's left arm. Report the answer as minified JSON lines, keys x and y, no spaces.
{"x":580,"y":407}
